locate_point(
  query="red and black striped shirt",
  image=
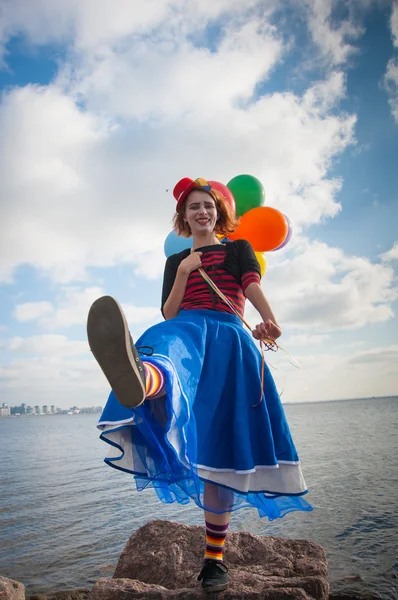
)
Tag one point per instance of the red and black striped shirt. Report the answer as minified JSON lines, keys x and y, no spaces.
{"x":232,"y":267}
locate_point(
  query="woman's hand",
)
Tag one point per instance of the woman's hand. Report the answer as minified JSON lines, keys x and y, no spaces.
{"x":190,"y":263}
{"x":267,"y":329}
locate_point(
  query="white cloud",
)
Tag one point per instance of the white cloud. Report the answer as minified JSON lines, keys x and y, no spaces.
{"x":391,"y":86}
{"x":394,"y":23}
{"x":89,"y":23}
{"x":57,"y":184}
{"x":138,"y":315}
{"x":165,"y":76}
{"x":334,"y":40}
{"x":305,"y":339}
{"x":72,"y":308}
{"x":321,"y":290}
{"x":150,"y":264}
{"x":324,"y":95}
{"x":85,"y":193}
{"x":32,"y":311}
{"x":53,"y":380}
{"x":392,"y":254}
{"x":90,"y":26}
{"x":326,"y":376}
{"x":50,"y":345}
{"x":391,"y":75}
{"x":388,"y":357}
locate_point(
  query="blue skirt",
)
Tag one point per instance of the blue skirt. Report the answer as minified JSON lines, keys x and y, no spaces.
{"x":209,"y":426}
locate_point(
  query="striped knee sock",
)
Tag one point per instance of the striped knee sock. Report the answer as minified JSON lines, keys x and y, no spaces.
{"x":215,"y":540}
{"x":154,"y":380}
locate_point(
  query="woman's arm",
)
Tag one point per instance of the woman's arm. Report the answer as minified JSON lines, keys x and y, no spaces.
{"x":172,"y":305}
{"x":269,"y":327}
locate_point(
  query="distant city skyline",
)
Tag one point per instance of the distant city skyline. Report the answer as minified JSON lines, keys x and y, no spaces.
{"x":26,"y":409}
{"x":6,"y":410}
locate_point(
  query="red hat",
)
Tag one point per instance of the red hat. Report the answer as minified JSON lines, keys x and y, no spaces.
{"x":186,"y":185}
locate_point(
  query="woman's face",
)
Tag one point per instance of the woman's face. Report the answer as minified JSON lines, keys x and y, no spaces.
{"x":200,"y":212}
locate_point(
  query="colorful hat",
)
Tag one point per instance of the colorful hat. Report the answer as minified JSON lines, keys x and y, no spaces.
{"x":186,"y":185}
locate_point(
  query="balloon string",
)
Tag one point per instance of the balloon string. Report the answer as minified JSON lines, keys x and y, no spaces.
{"x":266,"y":343}
{"x":222,"y":296}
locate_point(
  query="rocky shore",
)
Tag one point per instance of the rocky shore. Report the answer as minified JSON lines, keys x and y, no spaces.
{"x":162,"y":560}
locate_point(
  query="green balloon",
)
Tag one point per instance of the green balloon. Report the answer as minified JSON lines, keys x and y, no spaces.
{"x":248,"y":192}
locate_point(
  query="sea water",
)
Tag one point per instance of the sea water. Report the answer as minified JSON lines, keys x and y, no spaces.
{"x":65,"y":516}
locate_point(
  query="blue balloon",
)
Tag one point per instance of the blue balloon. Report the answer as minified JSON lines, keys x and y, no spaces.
{"x":176,"y":243}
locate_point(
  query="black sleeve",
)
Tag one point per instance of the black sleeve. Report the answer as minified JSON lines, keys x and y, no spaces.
{"x":169,"y":275}
{"x":247,"y":259}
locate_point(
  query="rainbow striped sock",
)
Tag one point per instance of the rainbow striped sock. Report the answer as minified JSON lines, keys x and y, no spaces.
{"x":154,"y":381}
{"x":215,"y":540}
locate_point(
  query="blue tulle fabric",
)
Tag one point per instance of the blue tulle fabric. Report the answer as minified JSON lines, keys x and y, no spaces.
{"x":207,"y":427}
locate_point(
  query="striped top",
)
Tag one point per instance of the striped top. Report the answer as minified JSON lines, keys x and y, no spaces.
{"x":232,"y":267}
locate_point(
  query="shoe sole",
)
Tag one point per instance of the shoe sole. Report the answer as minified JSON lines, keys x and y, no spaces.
{"x":110,"y":342}
{"x":216,"y":588}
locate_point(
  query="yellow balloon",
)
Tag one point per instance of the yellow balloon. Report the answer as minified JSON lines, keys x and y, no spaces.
{"x":262,"y":262}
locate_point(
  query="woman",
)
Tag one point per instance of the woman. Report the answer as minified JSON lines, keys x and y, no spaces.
{"x":193,"y":418}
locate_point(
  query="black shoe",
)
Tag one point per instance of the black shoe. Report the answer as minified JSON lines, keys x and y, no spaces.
{"x":214,"y":576}
{"x":111,"y":343}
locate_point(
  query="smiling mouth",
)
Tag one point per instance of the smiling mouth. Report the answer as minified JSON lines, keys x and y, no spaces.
{"x":203,"y":221}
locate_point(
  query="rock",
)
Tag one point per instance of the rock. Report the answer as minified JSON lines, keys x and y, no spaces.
{"x":163,"y":559}
{"x":352,"y":596}
{"x":126,"y":589}
{"x":11,"y":590}
{"x":77,"y":594}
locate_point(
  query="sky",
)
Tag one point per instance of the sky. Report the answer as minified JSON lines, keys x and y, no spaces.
{"x":105,"y":105}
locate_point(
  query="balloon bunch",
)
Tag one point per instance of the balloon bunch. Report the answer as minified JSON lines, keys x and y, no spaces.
{"x":266,"y":228}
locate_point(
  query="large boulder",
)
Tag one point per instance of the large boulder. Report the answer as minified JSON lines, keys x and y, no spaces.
{"x":163,"y":559}
{"x":11,"y":590}
{"x":77,"y":594}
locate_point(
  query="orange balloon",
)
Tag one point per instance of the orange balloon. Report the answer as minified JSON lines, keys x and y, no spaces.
{"x":264,"y":227}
